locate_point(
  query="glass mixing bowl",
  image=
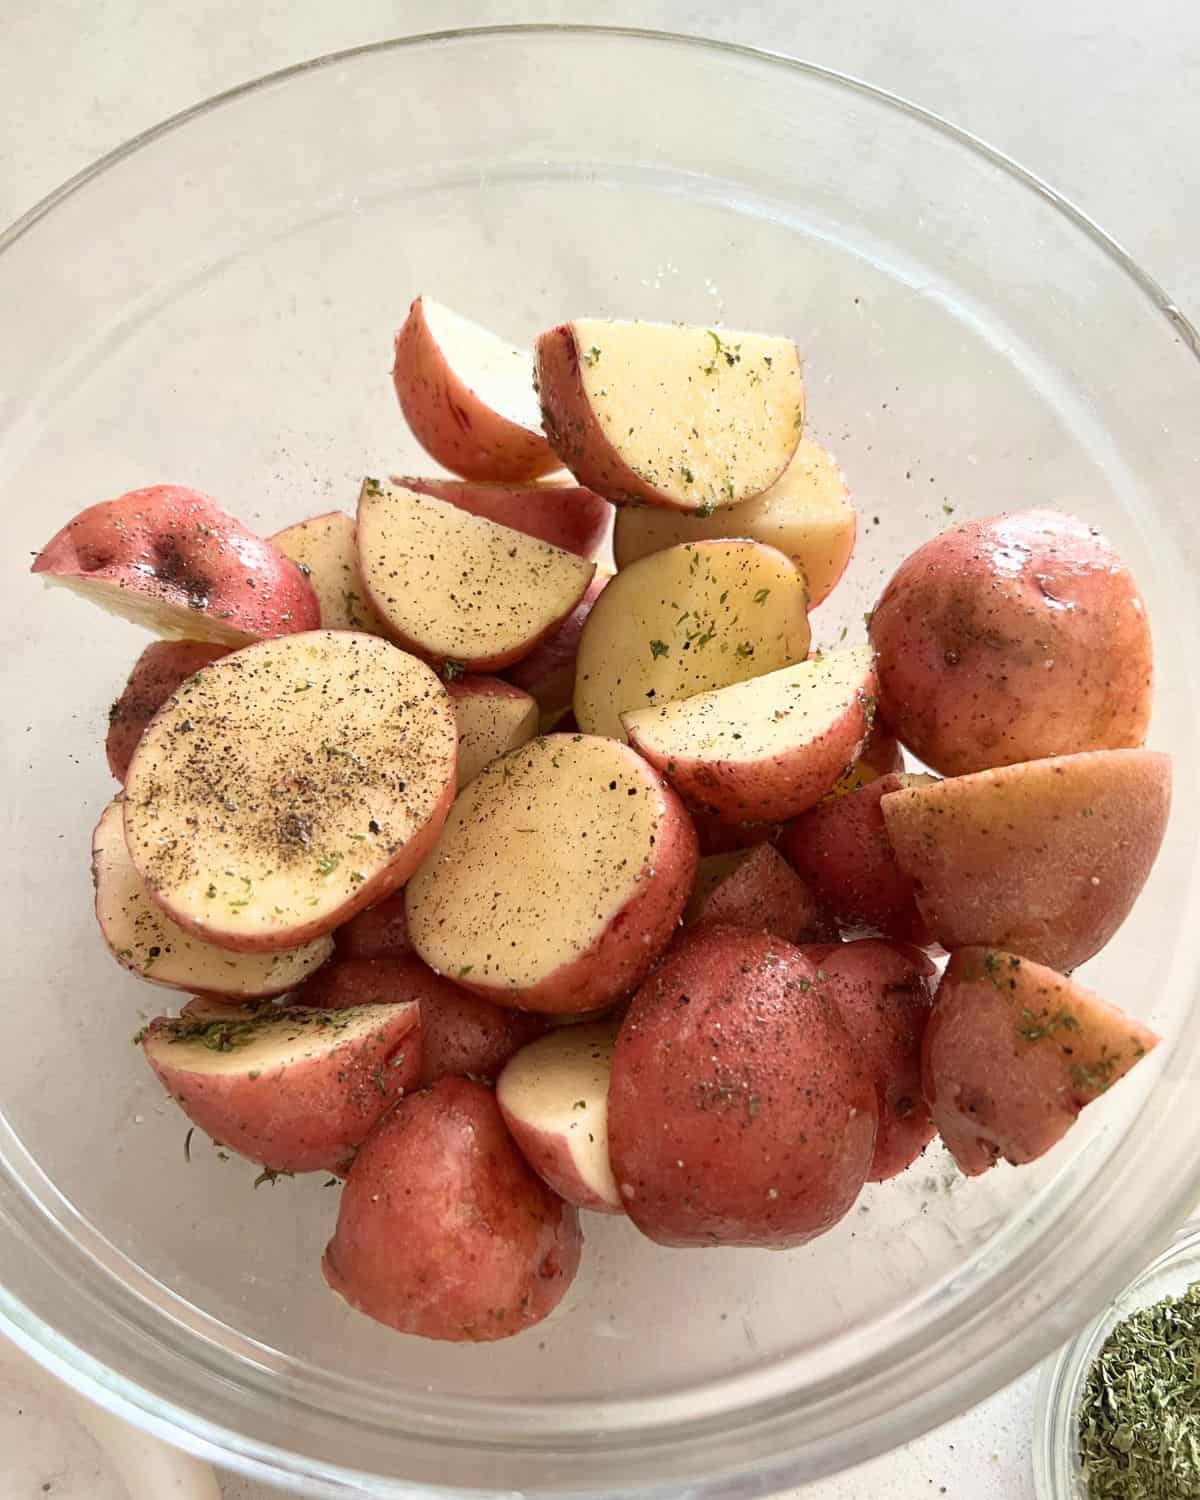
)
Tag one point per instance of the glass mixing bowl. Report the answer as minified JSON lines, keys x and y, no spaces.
{"x":213,"y":305}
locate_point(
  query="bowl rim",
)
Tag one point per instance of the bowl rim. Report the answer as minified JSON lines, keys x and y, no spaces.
{"x":912,"y":1414}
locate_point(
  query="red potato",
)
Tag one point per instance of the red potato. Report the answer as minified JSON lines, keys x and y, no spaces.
{"x":160,"y":669}
{"x":1044,"y":859}
{"x":292,"y":1088}
{"x":287,"y":787}
{"x":764,"y":749}
{"x":559,"y":877}
{"x":554,"y":1098}
{"x":444,"y":1230}
{"x":739,"y":1112}
{"x":324,"y":549}
{"x":841,"y":849}
{"x":1012,"y":1053}
{"x":468,"y":397}
{"x":884,"y":995}
{"x":493,"y":717}
{"x":1010,"y":639}
{"x":565,"y":515}
{"x":756,"y":888}
{"x":663,"y":414}
{"x":548,"y":672}
{"x":379,"y":932}
{"x":171,"y":559}
{"x":460,"y":1033}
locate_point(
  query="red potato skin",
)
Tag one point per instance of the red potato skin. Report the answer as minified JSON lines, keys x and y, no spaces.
{"x":731,"y":1063}
{"x":449,"y":420}
{"x":548,"y":672}
{"x":477,"y":684}
{"x":311,"y":1116}
{"x":1003,"y":1073}
{"x":379,"y":932}
{"x":461,"y":1034}
{"x":841,"y":849}
{"x":160,"y":669}
{"x":766,"y":895}
{"x":177,"y":547}
{"x":547,"y":1153}
{"x":717,"y":837}
{"x":566,"y":516}
{"x":1010,"y":639}
{"x":884,"y":995}
{"x":444,"y":1230}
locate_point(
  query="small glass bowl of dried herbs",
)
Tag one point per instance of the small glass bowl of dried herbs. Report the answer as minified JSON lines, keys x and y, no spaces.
{"x":1118,"y":1408}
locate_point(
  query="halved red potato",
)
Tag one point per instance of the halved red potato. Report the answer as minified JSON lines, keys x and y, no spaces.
{"x":548,"y":672}
{"x":664,"y":414}
{"x":1012,"y":1053}
{"x":160,"y":669}
{"x":294,"y":1089}
{"x":739,"y":1112}
{"x":756,"y":888}
{"x":493,"y":718}
{"x":172,"y":560}
{"x":444,"y":1230}
{"x":884,"y":994}
{"x":1044,"y":859}
{"x":565,"y":515}
{"x":324,"y":549}
{"x":841,"y":848}
{"x":1010,"y":639}
{"x":807,"y":513}
{"x":554,"y":1098}
{"x":290,"y":785}
{"x":698,"y":616}
{"x":460,"y":1033}
{"x":455,"y":587}
{"x":468,"y":397}
{"x":379,"y":932}
{"x":143,"y":939}
{"x":768,"y":748}
{"x":558,"y":879}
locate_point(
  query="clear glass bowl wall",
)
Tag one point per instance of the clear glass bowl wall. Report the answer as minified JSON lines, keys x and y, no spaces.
{"x":215,"y":308}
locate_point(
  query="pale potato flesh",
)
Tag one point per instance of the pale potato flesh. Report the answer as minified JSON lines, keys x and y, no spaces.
{"x":807,"y":513}
{"x":266,"y":1040}
{"x":493,"y":718}
{"x":144,"y":939}
{"x":457,"y":587}
{"x":538,"y":855}
{"x":705,"y":416}
{"x":498,"y":373}
{"x":280,"y":789}
{"x":694,"y":617}
{"x":325,"y":551}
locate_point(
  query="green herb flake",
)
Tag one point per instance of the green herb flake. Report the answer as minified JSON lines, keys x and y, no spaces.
{"x":659,"y":648}
{"x":372,"y":486}
{"x":328,"y":863}
{"x":187,"y":1144}
{"x":452,"y":670}
{"x":591,"y":356}
{"x":465,"y":970}
{"x":762,"y":596}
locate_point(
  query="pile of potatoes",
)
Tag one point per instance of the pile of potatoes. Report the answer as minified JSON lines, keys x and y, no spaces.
{"x":506,"y":885}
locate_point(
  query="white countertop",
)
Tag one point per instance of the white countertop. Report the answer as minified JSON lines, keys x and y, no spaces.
{"x":1098,"y":97}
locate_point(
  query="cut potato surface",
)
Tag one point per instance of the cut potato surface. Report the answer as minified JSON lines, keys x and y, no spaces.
{"x":565,"y":515}
{"x":768,"y":748}
{"x":144,"y":939}
{"x":807,"y":513}
{"x":559,"y":876}
{"x":290,"y":785}
{"x":468,"y":396}
{"x":665,"y":414}
{"x":160,"y":669}
{"x":697,"y":616}
{"x":324,"y":550}
{"x":456,"y":587}
{"x":493,"y":718}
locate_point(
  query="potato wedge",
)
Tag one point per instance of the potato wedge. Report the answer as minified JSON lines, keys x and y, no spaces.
{"x":565,"y":515}
{"x":144,"y":940}
{"x":558,"y":879}
{"x":324,"y":550}
{"x":548,"y":672}
{"x":294,"y":1089}
{"x":663,"y":414}
{"x":554,"y":1098}
{"x":493,"y":717}
{"x":160,"y":669}
{"x":290,"y":785}
{"x":807,"y":513}
{"x":1044,"y":859}
{"x":768,"y":748}
{"x":758,"y":889}
{"x":1012,"y":1053}
{"x":455,"y":587}
{"x":698,"y":616}
{"x":172,"y":560}
{"x":468,"y":397}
